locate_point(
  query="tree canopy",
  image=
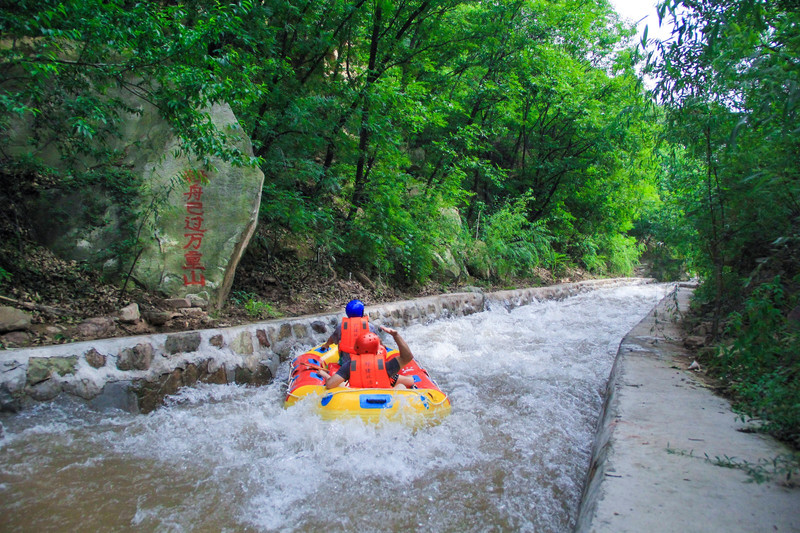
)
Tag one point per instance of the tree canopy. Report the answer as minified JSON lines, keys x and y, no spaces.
{"x":371,"y":119}
{"x":728,"y":84}
{"x":399,"y":138}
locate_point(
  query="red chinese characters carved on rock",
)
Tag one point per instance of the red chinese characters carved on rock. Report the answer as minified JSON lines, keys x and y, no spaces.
{"x":193,"y":228}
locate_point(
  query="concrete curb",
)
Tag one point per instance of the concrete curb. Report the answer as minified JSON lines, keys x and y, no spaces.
{"x":663,"y":440}
{"x":136,"y":373}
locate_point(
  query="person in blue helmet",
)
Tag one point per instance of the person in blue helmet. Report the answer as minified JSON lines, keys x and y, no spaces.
{"x":353,"y":310}
{"x":345,"y":334}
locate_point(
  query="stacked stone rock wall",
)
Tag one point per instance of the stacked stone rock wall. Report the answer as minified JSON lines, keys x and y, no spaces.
{"x":137,"y":373}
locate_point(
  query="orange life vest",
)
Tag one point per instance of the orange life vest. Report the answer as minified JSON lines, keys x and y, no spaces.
{"x":351,"y":329}
{"x":368,"y":371}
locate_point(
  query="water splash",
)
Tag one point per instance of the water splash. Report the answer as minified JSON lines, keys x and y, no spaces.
{"x":526,"y":391}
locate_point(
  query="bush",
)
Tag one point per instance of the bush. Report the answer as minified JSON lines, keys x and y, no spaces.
{"x":254,"y":307}
{"x":623,"y":254}
{"x":761,"y":363}
{"x":590,"y":257}
{"x":395,"y":233}
{"x":609,"y":254}
{"x":517,"y":245}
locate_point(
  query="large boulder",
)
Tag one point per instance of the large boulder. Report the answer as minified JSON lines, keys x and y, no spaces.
{"x":447,"y":265}
{"x":189,"y":224}
{"x":203,"y":230}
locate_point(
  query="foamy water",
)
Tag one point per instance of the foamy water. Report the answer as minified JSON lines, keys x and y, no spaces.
{"x":526,"y":393}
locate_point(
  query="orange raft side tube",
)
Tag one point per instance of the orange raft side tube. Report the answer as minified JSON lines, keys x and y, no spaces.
{"x":425,"y":402}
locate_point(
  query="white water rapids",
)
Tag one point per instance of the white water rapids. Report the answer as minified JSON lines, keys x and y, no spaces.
{"x":526,"y":391}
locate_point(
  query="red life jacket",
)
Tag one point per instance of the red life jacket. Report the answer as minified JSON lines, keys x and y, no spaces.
{"x":351,"y":329}
{"x":368,"y":371}
{"x":368,"y":366}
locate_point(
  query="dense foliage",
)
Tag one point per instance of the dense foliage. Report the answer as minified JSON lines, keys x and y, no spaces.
{"x":412,"y":138}
{"x":394,"y":136}
{"x":729,"y":83}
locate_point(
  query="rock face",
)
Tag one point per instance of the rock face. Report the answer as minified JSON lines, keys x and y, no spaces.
{"x":211,"y":216}
{"x":194,"y":223}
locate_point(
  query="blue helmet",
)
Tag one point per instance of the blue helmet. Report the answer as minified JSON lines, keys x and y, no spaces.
{"x":354,"y":308}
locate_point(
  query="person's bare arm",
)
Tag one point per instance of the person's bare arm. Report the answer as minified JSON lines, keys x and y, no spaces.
{"x":334,"y":338}
{"x":405,"y":356}
{"x":331,"y":381}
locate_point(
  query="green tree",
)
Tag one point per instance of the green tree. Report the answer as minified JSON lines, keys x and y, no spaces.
{"x":373,"y":122}
{"x":60,"y":60}
{"x":728,"y":81}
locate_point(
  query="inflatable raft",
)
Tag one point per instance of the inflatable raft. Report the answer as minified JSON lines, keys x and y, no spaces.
{"x":423,"y":403}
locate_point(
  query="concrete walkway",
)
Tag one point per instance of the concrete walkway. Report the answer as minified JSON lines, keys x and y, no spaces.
{"x":661,"y":444}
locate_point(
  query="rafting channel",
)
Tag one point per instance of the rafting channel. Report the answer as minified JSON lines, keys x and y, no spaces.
{"x":526,"y":387}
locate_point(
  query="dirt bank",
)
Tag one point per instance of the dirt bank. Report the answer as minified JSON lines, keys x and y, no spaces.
{"x":68,"y":303}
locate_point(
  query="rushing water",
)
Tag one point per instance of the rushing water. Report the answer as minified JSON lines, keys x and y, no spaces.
{"x":512,"y":456}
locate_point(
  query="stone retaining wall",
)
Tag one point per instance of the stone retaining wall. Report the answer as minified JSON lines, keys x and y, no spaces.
{"x":136,"y":373}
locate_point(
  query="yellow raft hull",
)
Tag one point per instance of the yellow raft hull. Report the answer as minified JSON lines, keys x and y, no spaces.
{"x":423,"y":404}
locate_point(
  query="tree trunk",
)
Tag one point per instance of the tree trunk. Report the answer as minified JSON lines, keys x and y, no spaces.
{"x":364,"y":132}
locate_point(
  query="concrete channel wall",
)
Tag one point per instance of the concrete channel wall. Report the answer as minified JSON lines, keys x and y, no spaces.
{"x":137,"y":373}
{"x":669,"y":455}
